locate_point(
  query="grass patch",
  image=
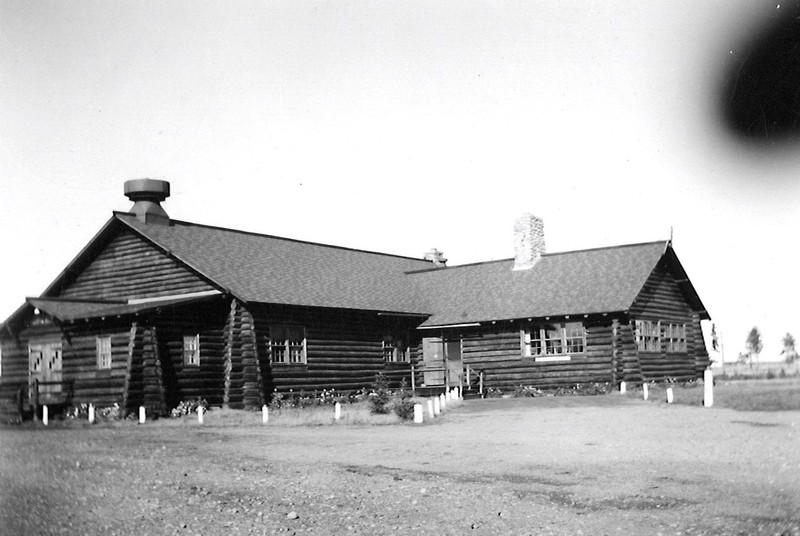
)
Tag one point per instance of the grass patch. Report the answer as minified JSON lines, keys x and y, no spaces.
{"x":750,"y":395}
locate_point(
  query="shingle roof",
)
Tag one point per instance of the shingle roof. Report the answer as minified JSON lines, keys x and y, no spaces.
{"x":269,"y":269}
{"x":576,"y":282}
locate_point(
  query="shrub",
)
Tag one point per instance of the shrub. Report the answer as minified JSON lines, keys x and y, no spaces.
{"x":523,"y":391}
{"x":380,"y":397}
{"x":189,"y":406}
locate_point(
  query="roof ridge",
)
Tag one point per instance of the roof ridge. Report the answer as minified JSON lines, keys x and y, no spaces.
{"x":554,"y":254}
{"x":276,"y":237}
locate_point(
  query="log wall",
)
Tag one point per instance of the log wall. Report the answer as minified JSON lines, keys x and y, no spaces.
{"x":661,"y":299}
{"x":131,"y":267}
{"x":344,"y":349}
{"x":497,"y":351}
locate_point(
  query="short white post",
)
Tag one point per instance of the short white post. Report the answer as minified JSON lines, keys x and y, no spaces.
{"x":430,"y":409}
{"x":418,"y":413}
{"x":200,"y":414}
{"x":142,"y":415}
{"x":669,"y":395}
{"x":91,"y":414}
{"x":337,"y":411}
{"x":443,"y":402}
{"x":447,"y":396}
{"x":44,"y":414}
{"x":622,"y":388}
{"x":461,"y":393}
{"x":264,"y":414}
{"x":708,"y":388}
{"x":480,"y":384}
{"x":437,"y":406}
{"x":645,"y":391}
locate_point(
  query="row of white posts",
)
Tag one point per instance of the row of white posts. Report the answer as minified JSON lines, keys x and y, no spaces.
{"x":708,"y":390}
{"x":436,"y":405}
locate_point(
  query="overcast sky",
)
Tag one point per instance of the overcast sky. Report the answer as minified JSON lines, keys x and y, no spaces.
{"x":397,"y":127}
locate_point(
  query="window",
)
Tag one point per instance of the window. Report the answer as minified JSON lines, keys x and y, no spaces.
{"x":395,"y":350}
{"x":676,"y":337}
{"x":554,"y":340}
{"x":287,"y":344}
{"x":103,"y":353}
{"x":191,"y":350}
{"x":648,"y":336}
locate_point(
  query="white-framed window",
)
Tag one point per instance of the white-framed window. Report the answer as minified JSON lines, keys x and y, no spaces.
{"x":395,"y":350}
{"x":287,"y":344}
{"x":648,"y":335}
{"x":103,"y":352}
{"x":191,"y":350}
{"x":553,"y":340}
{"x":675,"y":334}
{"x":1,"y":360}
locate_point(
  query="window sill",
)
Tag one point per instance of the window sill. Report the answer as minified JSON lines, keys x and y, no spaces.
{"x":552,"y":358}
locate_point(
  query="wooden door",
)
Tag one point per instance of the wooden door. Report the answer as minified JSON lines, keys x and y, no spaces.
{"x":455,"y":366}
{"x":45,"y":363}
{"x":433,"y":360}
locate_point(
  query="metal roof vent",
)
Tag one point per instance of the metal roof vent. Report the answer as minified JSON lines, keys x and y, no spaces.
{"x":147,"y":194}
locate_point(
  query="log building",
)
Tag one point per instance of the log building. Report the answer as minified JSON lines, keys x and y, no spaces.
{"x":154,"y":311}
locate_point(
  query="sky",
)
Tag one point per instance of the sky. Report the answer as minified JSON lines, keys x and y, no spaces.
{"x":398,"y":126}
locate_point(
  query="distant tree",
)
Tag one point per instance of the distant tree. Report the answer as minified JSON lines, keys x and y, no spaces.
{"x":714,"y":338}
{"x":789,"y":352}
{"x":754,"y":344}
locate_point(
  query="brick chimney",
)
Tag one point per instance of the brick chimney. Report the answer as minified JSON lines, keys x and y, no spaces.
{"x":147,"y":195}
{"x":528,"y":241}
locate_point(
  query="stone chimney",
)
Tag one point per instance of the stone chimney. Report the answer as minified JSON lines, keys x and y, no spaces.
{"x":147,"y":195}
{"x":528,"y":241}
{"x":435,"y":256}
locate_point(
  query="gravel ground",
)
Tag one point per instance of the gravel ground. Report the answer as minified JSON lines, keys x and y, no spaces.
{"x":582,"y":465}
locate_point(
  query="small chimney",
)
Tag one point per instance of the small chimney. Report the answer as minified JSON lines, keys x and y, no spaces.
{"x":528,"y":241}
{"x":147,"y":194}
{"x":435,"y":256}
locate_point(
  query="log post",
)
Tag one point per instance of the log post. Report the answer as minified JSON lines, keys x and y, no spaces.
{"x":36,"y":400}
{"x":413,"y":382}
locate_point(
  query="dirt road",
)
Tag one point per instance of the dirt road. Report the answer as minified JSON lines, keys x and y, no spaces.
{"x":583,"y":465}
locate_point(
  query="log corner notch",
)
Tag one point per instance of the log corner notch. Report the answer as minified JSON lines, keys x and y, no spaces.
{"x":144,"y":384}
{"x":243,"y":378}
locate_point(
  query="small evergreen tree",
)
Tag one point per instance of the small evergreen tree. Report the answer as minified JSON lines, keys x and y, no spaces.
{"x":381,"y":396}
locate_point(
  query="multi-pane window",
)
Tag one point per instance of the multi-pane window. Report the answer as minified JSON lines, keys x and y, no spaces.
{"x":648,"y":336}
{"x":103,"y":352}
{"x":554,"y":339}
{"x":191,"y":350}
{"x":675,"y":334}
{"x":395,"y":350}
{"x":287,"y":344}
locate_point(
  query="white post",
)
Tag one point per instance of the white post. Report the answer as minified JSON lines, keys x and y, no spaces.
{"x":264,"y":414}
{"x":142,"y":415}
{"x":430,"y":409}
{"x":645,"y":390}
{"x":200,"y":414}
{"x":437,"y":406}
{"x":447,"y":396}
{"x":44,"y":414}
{"x":443,"y":402}
{"x":418,"y":413}
{"x":622,"y":388}
{"x":669,"y":395}
{"x":708,"y":388}
{"x":480,"y":384}
{"x":460,"y":394}
{"x":337,"y":411}
{"x":91,"y":414}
